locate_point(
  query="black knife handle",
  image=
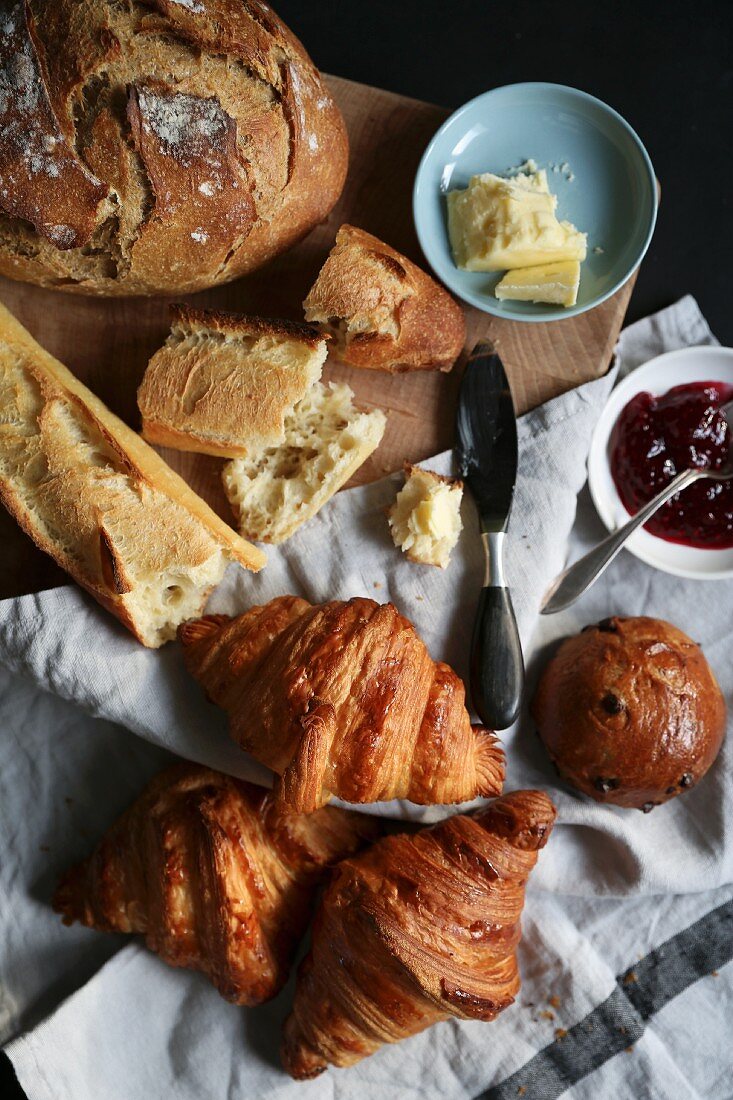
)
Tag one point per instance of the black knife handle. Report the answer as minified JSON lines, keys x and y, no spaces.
{"x":497,"y":664}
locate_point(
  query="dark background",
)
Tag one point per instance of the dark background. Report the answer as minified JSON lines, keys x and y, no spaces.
{"x":666,"y":67}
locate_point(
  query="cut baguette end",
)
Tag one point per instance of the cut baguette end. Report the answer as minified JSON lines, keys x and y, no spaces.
{"x":100,"y":501}
{"x":223,"y":384}
{"x":382,"y":311}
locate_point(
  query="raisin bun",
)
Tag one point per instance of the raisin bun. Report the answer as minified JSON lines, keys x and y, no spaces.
{"x":630,"y":712}
{"x":158,"y":146}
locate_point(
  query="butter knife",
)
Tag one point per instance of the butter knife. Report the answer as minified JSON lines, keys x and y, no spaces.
{"x":486,"y":455}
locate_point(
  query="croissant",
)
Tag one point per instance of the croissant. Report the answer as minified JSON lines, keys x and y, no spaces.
{"x":342,"y":699}
{"x":414,"y":930}
{"x":214,"y":875}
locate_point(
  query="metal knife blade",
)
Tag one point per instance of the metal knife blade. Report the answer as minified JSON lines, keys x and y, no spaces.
{"x":486,"y":437}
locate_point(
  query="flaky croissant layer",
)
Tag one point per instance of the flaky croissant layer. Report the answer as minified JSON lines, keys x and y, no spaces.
{"x":342,"y":699}
{"x":416,"y":929}
{"x":214,"y":874}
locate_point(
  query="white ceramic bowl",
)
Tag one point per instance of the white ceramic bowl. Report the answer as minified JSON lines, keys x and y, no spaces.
{"x":676,"y":368}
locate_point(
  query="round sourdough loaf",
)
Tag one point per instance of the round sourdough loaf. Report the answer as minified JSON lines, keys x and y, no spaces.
{"x":630,"y":712}
{"x":158,"y":146}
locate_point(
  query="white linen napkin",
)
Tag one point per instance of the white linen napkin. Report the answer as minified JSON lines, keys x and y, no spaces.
{"x":138,"y":1029}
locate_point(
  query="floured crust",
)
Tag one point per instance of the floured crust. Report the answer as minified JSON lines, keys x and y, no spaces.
{"x":158,"y":148}
{"x":223,"y":384}
{"x":384,"y":312}
{"x":44,"y":182}
{"x":103,"y":504}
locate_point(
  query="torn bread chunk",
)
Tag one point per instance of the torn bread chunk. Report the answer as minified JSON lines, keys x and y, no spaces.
{"x":223,"y":384}
{"x":327,"y":438}
{"x":382,"y":310}
{"x":425,"y":519}
{"x":100,"y":501}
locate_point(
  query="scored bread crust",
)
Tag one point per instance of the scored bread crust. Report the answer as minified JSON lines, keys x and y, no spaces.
{"x":223,"y":383}
{"x":61,"y":449}
{"x":384,"y":312}
{"x":158,"y":148}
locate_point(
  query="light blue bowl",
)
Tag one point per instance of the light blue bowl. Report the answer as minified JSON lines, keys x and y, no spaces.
{"x":612,"y":196}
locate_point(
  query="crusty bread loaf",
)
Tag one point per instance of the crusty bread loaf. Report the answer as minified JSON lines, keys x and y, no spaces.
{"x":425,"y":519}
{"x":101,"y":502}
{"x":223,"y":383}
{"x":383,"y":311}
{"x":160,"y":145}
{"x":326,"y":440}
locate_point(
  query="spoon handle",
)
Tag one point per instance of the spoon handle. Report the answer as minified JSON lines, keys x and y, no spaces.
{"x":571,"y":584}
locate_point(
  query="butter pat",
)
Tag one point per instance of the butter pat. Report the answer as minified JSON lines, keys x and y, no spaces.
{"x":498,"y":224}
{"x":425,"y":519}
{"x":555,"y":283}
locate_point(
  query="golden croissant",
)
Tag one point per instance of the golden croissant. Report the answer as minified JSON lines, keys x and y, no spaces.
{"x":214,"y":875}
{"x":414,"y":930}
{"x":343,"y":699}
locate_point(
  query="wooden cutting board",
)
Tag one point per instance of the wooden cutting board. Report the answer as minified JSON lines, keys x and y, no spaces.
{"x":107,"y":343}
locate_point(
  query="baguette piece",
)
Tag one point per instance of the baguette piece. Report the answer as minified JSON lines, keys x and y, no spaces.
{"x":100,"y":501}
{"x":383,"y":311}
{"x":327,"y":438}
{"x":425,"y":519}
{"x":222,"y":384}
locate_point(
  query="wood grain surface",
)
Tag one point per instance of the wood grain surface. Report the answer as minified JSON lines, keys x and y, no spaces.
{"x":107,"y":343}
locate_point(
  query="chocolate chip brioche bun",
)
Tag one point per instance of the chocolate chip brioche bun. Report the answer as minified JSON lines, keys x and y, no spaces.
{"x":630,"y":712}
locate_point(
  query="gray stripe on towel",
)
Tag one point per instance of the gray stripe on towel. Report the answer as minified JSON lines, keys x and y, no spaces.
{"x":620,"y":1020}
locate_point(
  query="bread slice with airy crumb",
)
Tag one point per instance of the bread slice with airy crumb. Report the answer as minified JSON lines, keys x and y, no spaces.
{"x":223,"y":383}
{"x":382,"y":310}
{"x":100,"y":501}
{"x":327,"y":438}
{"x":425,"y":519}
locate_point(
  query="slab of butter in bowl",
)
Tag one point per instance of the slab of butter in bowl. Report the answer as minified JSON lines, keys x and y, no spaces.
{"x":498,"y":222}
{"x":535,"y":202}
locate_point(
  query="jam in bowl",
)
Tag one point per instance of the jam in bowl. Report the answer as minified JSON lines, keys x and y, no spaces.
{"x":657,"y":437}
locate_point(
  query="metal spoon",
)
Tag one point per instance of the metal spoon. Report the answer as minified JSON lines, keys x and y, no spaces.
{"x":568,"y":586}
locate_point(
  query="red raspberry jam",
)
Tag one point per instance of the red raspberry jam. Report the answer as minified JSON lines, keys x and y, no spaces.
{"x":654,"y":439}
